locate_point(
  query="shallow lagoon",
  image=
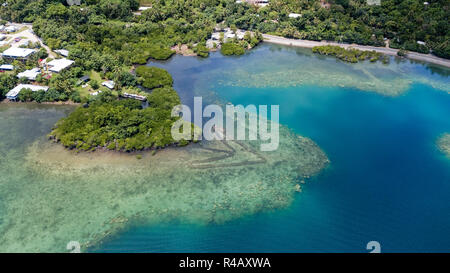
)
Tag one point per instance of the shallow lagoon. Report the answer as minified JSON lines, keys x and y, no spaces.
{"x":51,"y":196}
{"x":387,"y":180}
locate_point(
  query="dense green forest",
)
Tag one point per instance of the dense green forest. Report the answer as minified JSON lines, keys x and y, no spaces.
{"x":108,"y":33}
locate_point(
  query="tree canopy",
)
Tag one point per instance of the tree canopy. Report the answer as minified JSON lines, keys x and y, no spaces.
{"x":153,"y":77}
{"x":122,"y":125}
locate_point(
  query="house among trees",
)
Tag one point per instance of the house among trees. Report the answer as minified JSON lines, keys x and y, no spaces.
{"x":59,"y":64}
{"x":13,"y":94}
{"x":30,"y":74}
{"x":17,"y":53}
{"x":84,"y":79}
{"x":62,"y":52}
{"x":109,"y":84}
{"x":6,"y":67}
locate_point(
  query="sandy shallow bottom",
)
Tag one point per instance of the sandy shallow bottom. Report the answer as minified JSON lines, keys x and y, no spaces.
{"x":273,"y":66}
{"x":444,"y":144}
{"x":51,"y":196}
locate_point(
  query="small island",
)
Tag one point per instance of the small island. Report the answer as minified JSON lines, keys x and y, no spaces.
{"x":444,"y":144}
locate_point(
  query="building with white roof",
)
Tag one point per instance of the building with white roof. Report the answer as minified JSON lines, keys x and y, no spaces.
{"x":230,"y":35}
{"x":215,"y":36}
{"x":294,"y":15}
{"x":210,"y":43}
{"x":8,"y":67}
{"x":30,"y":74}
{"x":18,"y":53}
{"x":109,"y":84}
{"x":14,"y":93}
{"x":3,"y":43}
{"x":59,"y":65}
{"x":11,"y":29}
{"x":134,"y":96}
{"x":63,"y":52}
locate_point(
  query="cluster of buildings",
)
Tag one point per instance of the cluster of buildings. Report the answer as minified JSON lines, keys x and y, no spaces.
{"x":22,"y":54}
{"x":227,"y":33}
{"x":54,"y":66}
{"x":4,"y":30}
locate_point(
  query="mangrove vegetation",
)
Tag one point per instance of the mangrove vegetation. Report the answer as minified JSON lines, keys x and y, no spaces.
{"x":351,"y":55}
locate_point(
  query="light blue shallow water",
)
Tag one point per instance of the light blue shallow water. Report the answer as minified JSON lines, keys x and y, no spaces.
{"x":387,"y":180}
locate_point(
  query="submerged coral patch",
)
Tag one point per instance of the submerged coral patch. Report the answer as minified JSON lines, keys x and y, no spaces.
{"x":391,"y":79}
{"x":51,"y":195}
{"x":444,"y":144}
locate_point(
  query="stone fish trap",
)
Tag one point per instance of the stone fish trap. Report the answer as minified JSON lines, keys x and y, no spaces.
{"x":228,"y":153}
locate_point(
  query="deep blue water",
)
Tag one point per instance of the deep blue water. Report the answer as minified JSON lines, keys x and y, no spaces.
{"x":387,"y":180}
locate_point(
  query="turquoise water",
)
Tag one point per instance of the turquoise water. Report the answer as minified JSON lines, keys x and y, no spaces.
{"x":387,"y":180}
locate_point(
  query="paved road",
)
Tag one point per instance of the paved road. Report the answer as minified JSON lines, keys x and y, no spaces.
{"x":388,"y":51}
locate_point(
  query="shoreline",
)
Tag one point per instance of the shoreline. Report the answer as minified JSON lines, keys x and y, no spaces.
{"x":388,"y":51}
{"x":6,"y":101}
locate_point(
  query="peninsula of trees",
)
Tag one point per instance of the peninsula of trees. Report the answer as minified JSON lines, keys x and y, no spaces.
{"x":123,"y":125}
